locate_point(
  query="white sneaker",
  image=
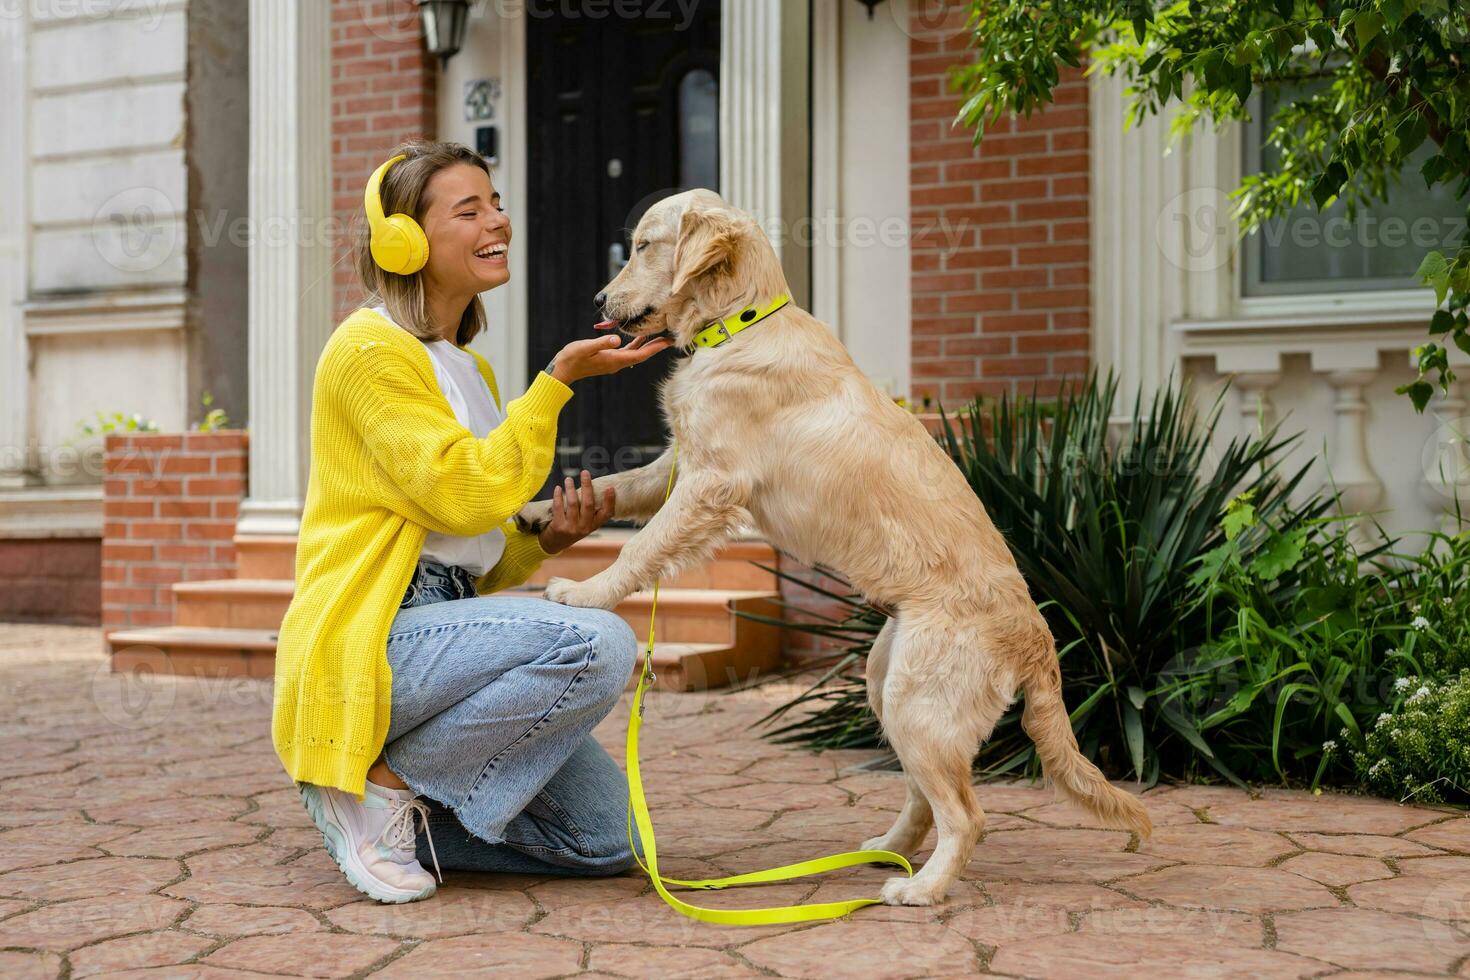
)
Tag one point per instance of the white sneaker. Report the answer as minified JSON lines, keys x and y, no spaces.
{"x":373,"y":841}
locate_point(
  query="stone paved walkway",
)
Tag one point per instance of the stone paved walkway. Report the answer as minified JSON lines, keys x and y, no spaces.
{"x":148,"y":828}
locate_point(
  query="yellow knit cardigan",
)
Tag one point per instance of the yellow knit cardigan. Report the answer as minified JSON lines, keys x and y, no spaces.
{"x":389,"y":463}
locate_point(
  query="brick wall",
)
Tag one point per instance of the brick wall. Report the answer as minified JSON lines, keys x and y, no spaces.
{"x":1000,"y":253}
{"x":383,"y":91}
{"x":50,"y":580}
{"x":169,"y":506}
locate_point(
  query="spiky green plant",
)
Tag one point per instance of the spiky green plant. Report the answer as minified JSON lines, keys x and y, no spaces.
{"x":1107,"y":523}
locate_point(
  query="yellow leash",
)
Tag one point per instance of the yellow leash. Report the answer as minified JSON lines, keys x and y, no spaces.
{"x":648,"y":860}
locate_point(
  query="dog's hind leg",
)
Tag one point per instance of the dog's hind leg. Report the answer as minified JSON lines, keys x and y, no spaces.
{"x":914,"y":822}
{"x":937,"y":709}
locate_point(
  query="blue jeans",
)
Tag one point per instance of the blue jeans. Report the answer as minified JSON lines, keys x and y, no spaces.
{"x":494,"y":701}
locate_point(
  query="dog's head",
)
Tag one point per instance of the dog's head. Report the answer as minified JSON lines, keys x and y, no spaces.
{"x":694,"y":260}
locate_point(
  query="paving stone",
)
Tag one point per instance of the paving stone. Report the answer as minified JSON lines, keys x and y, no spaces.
{"x":997,"y":925}
{"x":667,"y":961}
{"x":89,"y":877}
{"x":71,"y":924}
{"x":1237,"y":889}
{"x":451,"y":912}
{"x":137,"y":952}
{"x":1363,"y":938}
{"x":1446,"y":899}
{"x":1206,"y":925}
{"x":1209,"y":844}
{"x":249,"y":920}
{"x":176,"y":840}
{"x":1336,"y":869}
{"x":871,"y":948}
{"x":1367,"y":845}
{"x":30,"y":966}
{"x":1452,"y":835}
{"x":303,"y":954}
{"x":1130,"y":956}
{"x":1326,"y":813}
{"x":512,"y":955}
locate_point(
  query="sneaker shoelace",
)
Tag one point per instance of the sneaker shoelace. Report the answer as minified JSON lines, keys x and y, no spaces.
{"x":399,"y":834}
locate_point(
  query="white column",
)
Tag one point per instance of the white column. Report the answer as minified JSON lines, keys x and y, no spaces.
{"x":14,"y":250}
{"x":764,"y":139}
{"x":290,"y":256}
{"x":1257,"y":414}
{"x":1348,"y":466}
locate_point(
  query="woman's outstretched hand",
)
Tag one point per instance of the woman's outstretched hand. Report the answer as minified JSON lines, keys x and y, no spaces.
{"x":575,"y":513}
{"x":603,"y":355}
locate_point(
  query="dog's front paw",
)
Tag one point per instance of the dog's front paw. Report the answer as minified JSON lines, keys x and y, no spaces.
{"x":534,"y":517}
{"x":912,"y":891}
{"x":584,"y":594}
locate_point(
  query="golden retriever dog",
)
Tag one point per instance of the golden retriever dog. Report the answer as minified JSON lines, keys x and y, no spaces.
{"x":777,"y":430}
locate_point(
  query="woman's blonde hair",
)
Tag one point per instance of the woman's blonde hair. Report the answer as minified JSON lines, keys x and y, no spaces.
{"x":403,"y":193}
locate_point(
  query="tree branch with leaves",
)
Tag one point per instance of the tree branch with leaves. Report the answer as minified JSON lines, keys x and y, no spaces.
{"x":1388,"y":77}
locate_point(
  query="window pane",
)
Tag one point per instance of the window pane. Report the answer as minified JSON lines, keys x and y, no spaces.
{"x":699,"y":130}
{"x":1307,"y":251}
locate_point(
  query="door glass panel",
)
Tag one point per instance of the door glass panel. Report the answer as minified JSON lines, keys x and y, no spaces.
{"x":699,"y":130}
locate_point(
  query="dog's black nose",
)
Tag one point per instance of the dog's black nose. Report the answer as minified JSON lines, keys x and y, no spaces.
{"x":599,"y":300}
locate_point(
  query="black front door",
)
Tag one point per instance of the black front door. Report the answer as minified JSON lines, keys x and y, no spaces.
{"x":621,"y":111}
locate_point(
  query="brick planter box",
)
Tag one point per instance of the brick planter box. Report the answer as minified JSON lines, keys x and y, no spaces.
{"x":169,"y":506}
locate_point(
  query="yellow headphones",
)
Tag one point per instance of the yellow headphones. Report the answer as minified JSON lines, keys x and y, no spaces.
{"x":398,"y":244}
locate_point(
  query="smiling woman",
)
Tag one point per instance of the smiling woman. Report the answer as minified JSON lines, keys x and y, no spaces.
{"x":399,"y":675}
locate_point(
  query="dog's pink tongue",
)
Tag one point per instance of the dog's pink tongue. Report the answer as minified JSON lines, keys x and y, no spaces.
{"x":606,"y":325}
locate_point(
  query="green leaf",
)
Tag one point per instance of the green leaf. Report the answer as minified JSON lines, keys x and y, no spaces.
{"x":1136,"y":696}
{"x":1237,"y":518}
{"x":1418,"y":391}
{"x":1329,"y":184}
{"x":1462,"y":340}
{"x":1280,"y":554}
{"x":1442,"y":322}
{"x":1434,"y":169}
{"x":1133,"y":732}
{"x":1323,"y":37}
{"x":1367,"y":25}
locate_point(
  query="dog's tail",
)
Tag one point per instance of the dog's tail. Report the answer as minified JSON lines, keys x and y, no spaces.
{"x":1045,"y":720}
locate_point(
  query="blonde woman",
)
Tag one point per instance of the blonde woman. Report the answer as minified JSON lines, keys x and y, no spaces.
{"x":422,"y":716}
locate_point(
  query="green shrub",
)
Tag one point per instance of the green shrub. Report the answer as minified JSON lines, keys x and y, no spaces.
{"x":1420,"y":750}
{"x":1107,"y":531}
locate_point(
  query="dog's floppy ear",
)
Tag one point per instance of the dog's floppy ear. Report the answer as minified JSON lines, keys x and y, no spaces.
{"x":707,"y":237}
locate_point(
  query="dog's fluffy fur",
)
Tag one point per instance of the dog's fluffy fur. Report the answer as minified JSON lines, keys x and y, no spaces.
{"x":778,"y":430}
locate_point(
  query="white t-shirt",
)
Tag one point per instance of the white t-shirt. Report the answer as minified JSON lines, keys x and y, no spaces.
{"x":464,"y":388}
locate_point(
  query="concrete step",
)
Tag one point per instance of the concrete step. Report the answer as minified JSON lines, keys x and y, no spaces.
{"x":233,"y":603}
{"x":265,"y":556}
{"x":274,"y":557}
{"x":202,"y":652}
{"x":729,"y":568}
{"x":194,"y":651}
{"x":686,"y":615}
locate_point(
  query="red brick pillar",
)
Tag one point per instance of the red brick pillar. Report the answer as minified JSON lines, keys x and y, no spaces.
{"x":169,"y":506}
{"x":1000,"y":259}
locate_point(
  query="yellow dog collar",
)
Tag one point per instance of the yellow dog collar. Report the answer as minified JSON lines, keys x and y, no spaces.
{"x":717,"y":333}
